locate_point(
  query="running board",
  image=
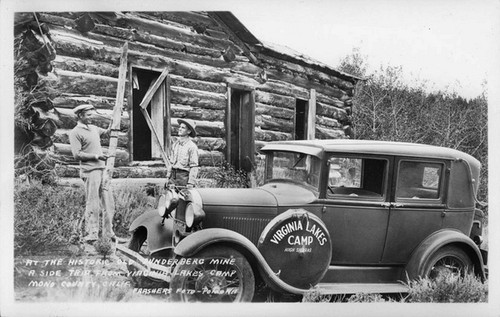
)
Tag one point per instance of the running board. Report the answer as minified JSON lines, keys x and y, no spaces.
{"x":354,"y":288}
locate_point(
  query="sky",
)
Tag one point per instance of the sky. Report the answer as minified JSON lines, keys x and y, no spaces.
{"x":448,"y":44}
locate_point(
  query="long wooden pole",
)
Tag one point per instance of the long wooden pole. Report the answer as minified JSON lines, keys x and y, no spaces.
{"x":107,"y":219}
{"x":117,"y":114}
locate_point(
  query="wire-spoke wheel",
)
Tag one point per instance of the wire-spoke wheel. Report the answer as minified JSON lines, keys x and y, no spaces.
{"x":448,"y":260}
{"x":216,"y":274}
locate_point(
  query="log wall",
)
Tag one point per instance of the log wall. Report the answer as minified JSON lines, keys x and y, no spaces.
{"x":191,"y":45}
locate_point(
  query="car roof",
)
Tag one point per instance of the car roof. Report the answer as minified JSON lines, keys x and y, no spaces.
{"x":318,"y":147}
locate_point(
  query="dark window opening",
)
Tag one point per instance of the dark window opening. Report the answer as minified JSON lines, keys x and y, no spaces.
{"x":300,"y":124}
{"x":240,"y":130}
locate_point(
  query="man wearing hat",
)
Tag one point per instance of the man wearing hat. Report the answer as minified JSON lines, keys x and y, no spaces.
{"x":85,"y":141}
{"x":184,"y":168}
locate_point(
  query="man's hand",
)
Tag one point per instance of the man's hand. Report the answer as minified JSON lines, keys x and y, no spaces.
{"x":103,"y":157}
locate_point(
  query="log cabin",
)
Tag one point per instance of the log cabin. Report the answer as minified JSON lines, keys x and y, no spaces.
{"x":206,"y":66}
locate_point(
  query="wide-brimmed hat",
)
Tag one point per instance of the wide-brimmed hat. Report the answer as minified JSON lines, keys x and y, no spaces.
{"x":190,"y":124}
{"x":82,"y":108}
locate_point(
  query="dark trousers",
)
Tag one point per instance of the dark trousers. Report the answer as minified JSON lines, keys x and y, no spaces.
{"x":179,"y":177}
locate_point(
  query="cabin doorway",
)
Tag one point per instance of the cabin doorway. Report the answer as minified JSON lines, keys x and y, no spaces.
{"x":144,"y":147}
{"x":240,"y":127}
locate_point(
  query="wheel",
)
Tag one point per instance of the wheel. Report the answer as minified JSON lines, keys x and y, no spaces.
{"x":216,"y":274}
{"x":448,"y":260}
{"x":139,"y":244}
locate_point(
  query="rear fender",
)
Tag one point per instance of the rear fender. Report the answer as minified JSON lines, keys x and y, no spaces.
{"x":199,"y":240}
{"x":159,"y":236}
{"x":437,"y":240}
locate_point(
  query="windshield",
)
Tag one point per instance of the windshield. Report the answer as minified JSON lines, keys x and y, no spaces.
{"x":293,"y":166}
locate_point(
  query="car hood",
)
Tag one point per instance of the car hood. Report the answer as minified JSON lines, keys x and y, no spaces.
{"x":272,"y":194}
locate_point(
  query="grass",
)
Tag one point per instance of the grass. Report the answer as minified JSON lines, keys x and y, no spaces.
{"x":48,"y":217}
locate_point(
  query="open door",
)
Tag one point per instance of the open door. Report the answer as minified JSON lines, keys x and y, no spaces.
{"x":150,"y":120}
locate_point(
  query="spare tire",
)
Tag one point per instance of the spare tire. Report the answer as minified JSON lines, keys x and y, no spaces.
{"x":297,"y":247}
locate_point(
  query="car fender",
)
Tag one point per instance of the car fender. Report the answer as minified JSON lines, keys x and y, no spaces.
{"x":437,"y":240}
{"x":159,"y":236}
{"x":199,"y":240}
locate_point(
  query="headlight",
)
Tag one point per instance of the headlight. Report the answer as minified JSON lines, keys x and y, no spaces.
{"x":167,"y":203}
{"x":194,"y":214}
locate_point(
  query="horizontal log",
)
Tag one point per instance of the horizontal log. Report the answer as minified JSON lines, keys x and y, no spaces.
{"x":198,"y":98}
{"x":196,"y":113}
{"x":265,"y":135}
{"x":302,"y":81}
{"x":328,"y":122}
{"x":277,"y":112}
{"x":330,"y":100}
{"x":179,"y":81}
{"x":183,"y":52}
{"x":275,"y":100}
{"x":164,"y":30}
{"x":188,"y":18}
{"x":330,"y":112}
{"x":325,"y":133}
{"x":203,"y":128}
{"x":78,"y":65}
{"x":267,"y":122}
{"x":102,"y":119}
{"x":121,"y":158}
{"x":303,"y":68}
{"x":84,"y":49}
{"x":126,"y":32}
{"x":70,"y":101}
{"x":286,"y":89}
{"x":210,"y":158}
{"x":62,"y":136}
{"x":82,"y":83}
{"x":157,"y":172}
{"x":211,"y":144}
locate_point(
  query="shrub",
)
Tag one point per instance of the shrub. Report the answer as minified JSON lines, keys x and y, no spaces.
{"x":46,"y":217}
{"x":130,"y":202}
{"x":49,"y":217}
{"x":226,"y":176}
{"x":448,"y":288}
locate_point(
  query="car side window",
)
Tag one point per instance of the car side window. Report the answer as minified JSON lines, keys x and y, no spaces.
{"x":419,"y":180}
{"x":351,"y":177}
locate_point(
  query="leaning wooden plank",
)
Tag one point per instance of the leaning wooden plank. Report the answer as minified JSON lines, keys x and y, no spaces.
{"x":152,"y":90}
{"x":113,"y":138}
{"x":156,"y":137}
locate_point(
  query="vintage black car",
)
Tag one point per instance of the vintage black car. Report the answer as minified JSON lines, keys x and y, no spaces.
{"x":343,"y":216}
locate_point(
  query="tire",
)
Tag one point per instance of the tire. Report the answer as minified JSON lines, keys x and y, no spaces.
{"x":448,"y":260}
{"x":213,"y":282}
{"x":139,"y":244}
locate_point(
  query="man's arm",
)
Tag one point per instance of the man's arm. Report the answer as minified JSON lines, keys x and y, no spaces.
{"x":194,"y":166}
{"x":76,"y":150}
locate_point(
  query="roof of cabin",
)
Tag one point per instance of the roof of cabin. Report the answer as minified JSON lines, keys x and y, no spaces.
{"x":282,"y":51}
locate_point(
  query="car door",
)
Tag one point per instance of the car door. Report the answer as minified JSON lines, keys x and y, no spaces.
{"x":418,"y":206}
{"x":356,"y":211}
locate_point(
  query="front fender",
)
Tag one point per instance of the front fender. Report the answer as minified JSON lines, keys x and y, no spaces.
{"x":159,"y":236}
{"x":439,"y":239}
{"x":199,"y":240}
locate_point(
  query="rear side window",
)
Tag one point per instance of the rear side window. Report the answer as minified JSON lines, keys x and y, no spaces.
{"x":419,"y":180}
{"x":356,"y":177}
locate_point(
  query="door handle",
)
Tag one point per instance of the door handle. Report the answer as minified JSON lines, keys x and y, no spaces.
{"x":394,"y":205}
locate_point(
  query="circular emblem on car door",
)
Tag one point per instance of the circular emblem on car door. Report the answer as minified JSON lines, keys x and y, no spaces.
{"x":297,"y":247}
